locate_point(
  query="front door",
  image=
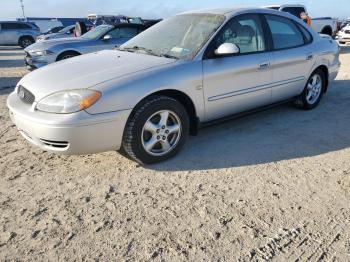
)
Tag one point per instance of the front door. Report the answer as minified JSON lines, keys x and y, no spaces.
{"x":240,"y":82}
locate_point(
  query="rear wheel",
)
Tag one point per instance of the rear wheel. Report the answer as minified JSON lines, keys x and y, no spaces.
{"x":313,"y":91}
{"x":67,"y":55}
{"x":156,"y":131}
{"x":25,"y":41}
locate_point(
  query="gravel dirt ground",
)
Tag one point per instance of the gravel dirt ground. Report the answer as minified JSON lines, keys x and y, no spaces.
{"x":270,"y":186}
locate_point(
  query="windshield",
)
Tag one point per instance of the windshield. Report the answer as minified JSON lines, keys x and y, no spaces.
{"x":65,"y":29}
{"x":97,"y":32}
{"x":180,"y":37}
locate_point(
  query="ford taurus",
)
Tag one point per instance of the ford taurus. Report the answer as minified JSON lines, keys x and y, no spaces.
{"x":191,"y":69}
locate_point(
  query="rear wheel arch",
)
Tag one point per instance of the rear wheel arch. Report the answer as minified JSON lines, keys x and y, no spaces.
{"x":327,"y":30}
{"x":326,"y":74}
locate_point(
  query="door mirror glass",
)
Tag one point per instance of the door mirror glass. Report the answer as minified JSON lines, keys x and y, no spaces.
{"x":107,"y":37}
{"x":227,"y":49}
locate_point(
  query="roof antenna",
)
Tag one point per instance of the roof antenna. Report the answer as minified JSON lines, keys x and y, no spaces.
{"x":22,"y":6}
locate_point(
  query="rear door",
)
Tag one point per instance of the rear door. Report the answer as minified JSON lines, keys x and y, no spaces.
{"x":11,"y":33}
{"x":292,"y":57}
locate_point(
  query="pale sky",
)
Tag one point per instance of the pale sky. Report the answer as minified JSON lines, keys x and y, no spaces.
{"x":10,"y":9}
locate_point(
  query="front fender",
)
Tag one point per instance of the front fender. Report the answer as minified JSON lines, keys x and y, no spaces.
{"x":126,"y":92}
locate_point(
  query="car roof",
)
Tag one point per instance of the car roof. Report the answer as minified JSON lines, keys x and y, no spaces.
{"x":219,"y":11}
{"x":285,"y":5}
{"x":17,"y":22}
{"x":230,"y":12}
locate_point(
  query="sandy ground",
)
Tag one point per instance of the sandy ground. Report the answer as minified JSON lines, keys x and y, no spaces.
{"x":274,"y":185}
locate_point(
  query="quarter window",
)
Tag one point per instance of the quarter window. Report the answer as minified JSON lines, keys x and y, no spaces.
{"x":285,"y":33}
{"x":306,"y":33}
{"x":244,"y":31}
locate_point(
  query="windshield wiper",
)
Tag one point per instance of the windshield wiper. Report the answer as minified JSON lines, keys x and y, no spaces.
{"x":168,"y":56}
{"x":137,"y":48}
{"x":148,"y":51}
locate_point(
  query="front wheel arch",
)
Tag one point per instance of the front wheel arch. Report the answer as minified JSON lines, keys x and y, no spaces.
{"x":72,"y":52}
{"x":185,"y":100}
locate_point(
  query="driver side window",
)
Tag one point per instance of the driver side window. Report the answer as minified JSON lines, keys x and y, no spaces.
{"x":245,"y":31}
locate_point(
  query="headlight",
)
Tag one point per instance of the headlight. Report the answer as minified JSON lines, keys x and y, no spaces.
{"x":42,"y":53}
{"x":69,"y":101}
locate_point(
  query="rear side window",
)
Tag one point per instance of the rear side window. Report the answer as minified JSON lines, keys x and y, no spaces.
{"x":285,"y":33}
{"x":296,"y":11}
{"x":14,"y":26}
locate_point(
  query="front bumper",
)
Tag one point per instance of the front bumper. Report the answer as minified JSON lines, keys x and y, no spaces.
{"x":37,"y":62}
{"x":71,"y":134}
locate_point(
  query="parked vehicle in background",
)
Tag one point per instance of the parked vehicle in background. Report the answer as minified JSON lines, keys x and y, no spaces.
{"x":186,"y":71}
{"x":343,"y":36}
{"x":325,"y":25}
{"x":99,"y":38}
{"x":18,"y":33}
{"x":97,"y":20}
{"x":66,"y":32}
{"x":53,"y":30}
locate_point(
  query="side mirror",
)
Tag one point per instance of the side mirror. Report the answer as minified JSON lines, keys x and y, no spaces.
{"x":107,"y":37}
{"x":227,"y":49}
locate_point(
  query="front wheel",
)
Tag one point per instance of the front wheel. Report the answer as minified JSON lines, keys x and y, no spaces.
{"x":156,"y":130}
{"x":313,"y":91}
{"x":26,"y":41}
{"x":67,"y":55}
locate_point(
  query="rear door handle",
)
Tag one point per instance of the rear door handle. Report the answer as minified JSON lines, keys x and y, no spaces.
{"x":264,"y":65}
{"x":309,"y":57}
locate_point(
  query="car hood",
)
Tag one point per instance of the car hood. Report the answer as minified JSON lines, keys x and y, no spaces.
{"x":47,"y":44}
{"x":89,"y":70}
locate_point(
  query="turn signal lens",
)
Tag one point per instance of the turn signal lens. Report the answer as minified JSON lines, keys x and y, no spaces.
{"x":90,"y":100}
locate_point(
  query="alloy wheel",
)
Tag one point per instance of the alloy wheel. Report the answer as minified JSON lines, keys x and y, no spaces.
{"x":314,"y":89}
{"x":161,"y":133}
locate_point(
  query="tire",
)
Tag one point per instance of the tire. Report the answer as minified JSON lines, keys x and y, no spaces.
{"x":67,"y":55}
{"x":25,"y":41}
{"x":163,"y":116}
{"x":80,"y":29}
{"x":313,"y":91}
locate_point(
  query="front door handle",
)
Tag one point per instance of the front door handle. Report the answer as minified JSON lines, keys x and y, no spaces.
{"x":264,"y":65}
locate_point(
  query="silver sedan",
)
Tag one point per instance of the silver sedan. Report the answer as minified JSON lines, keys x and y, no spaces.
{"x":189,"y":70}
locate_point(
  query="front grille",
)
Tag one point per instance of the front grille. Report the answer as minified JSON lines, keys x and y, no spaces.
{"x":347,"y":31}
{"x":25,"y":95}
{"x":55,"y":144}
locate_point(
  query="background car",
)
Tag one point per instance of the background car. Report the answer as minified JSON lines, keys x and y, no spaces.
{"x":99,"y":38}
{"x":66,"y":32}
{"x":322,"y":25}
{"x":343,"y":36}
{"x":18,"y":33}
{"x":187,"y":71}
{"x":53,"y":30}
